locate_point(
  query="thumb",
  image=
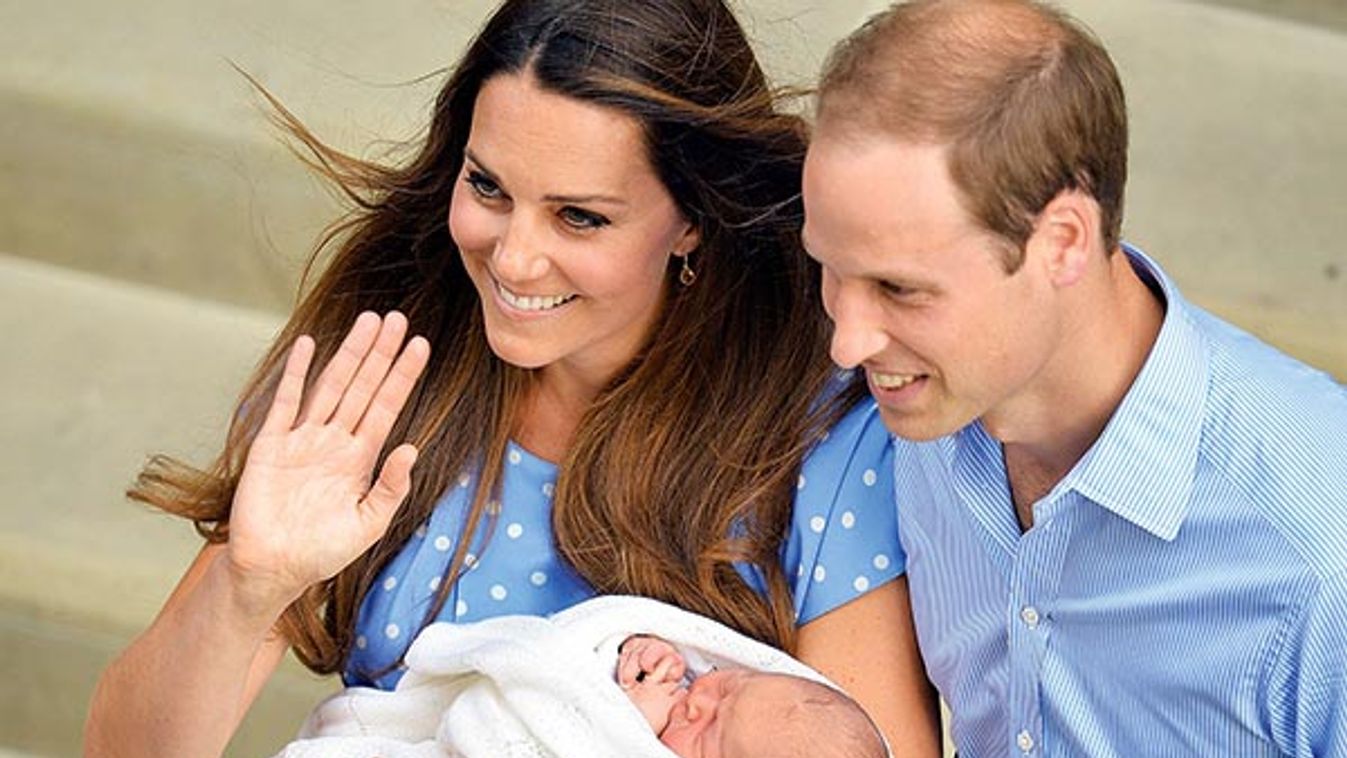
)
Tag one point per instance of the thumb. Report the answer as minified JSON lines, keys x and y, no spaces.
{"x":390,"y":489}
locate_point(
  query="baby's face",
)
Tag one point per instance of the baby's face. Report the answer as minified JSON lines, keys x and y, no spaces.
{"x":727,"y":714}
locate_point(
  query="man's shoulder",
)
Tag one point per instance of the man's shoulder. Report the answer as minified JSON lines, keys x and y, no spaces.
{"x":1276,"y":429}
{"x":1260,"y":393}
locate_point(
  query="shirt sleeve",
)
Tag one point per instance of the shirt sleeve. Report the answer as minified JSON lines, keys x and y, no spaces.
{"x":1307,"y":688}
{"x":844,"y":529}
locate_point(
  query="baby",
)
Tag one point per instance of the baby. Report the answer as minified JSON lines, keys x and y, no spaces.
{"x":730,"y":713}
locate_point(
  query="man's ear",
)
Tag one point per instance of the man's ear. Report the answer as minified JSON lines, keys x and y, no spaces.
{"x":1066,"y":237}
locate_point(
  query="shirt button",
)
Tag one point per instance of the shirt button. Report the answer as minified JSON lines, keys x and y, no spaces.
{"x":1029,"y":615}
{"x":1025,"y":741}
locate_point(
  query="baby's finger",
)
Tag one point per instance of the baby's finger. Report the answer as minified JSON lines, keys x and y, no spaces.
{"x":660,"y":673}
{"x":628,"y":667}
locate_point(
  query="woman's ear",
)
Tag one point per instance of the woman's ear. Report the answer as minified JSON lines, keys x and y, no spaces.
{"x":688,"y":241}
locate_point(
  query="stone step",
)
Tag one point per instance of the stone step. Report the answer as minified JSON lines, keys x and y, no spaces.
{"x":151,"y":161}
{"x":101,"y":373}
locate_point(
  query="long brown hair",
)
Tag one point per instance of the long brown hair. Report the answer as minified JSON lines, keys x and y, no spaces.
{"x":686,"y":462}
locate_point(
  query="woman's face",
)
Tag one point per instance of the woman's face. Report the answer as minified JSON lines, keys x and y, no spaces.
{"x":564,"y":228}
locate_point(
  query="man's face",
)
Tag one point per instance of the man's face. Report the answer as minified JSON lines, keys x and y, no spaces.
{"x":917,"y":291}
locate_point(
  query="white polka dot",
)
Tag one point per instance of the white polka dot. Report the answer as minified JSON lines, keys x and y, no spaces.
{"x":513,"y":531}
{"x":461,"y":609}
{"x":869,"y":477}
{"x":442,"y":543}
{"x":817,"y":523}
{"x":538,"y":578}
{"x":361,"y":642}
{"x":498,"y":592}
{"x":390,"y":583}
{"x":548,"y":489}
{"x":493,"y":507}
{"x":434,"y":583}
{"x":799,"y":483}
{"x":848,"y":520}
{"x":881,"y":561}
{"x":463,"y":481}
{"x":392,"y":631}
{"x":824,"y":438}
{"x":515,"y":457}
{"x":820,"y":573}
{"x":470,"y":561}
{"x":421,"y":531}
{"x":861,"y":584}
{"x":799,"y":570}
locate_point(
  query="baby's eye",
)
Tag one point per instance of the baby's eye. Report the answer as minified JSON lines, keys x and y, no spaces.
{"x":483,"y":185}
{"x":579,"y":218}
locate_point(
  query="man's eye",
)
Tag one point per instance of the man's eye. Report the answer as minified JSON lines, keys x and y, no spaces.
{"x":582,"y":219}
{"x":895,"y":289}
{"x":483,"y":185}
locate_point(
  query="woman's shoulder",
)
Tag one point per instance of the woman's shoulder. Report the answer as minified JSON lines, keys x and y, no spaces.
{"x":858,"y":433}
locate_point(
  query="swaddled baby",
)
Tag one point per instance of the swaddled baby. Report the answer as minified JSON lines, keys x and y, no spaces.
{"x":735,"y":712}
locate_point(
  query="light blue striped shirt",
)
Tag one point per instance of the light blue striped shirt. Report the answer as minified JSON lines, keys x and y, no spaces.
{"x":1183,"y":591}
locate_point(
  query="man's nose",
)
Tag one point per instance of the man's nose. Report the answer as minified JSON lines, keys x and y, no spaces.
{"x":858,"y":330}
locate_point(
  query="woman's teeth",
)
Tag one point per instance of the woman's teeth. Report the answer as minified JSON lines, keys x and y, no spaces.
{"x":534,"y":303}
{"x":893,"y":381}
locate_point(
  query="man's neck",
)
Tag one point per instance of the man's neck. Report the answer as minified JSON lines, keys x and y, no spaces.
{"x":1047,"y":430}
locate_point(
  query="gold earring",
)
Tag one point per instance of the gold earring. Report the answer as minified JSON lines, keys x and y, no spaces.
{"x":687,"y":276}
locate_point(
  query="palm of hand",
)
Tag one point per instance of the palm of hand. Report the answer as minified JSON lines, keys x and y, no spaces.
{"x":307,"y":502}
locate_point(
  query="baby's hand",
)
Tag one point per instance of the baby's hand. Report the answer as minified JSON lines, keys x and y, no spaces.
{"x":648,"y":660}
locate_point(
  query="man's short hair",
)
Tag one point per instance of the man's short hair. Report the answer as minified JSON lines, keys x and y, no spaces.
{"x":1026,"y":99}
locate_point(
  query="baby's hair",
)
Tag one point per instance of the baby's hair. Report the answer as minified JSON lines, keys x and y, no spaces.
{"x":826,"y":723}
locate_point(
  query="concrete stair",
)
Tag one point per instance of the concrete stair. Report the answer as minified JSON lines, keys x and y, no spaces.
{"x":152,"y":232}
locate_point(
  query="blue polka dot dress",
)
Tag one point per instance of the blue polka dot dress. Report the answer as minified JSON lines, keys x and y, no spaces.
{"x":843,"y":543}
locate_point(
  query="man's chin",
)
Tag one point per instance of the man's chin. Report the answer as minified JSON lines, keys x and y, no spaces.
{"x":915,"y":427}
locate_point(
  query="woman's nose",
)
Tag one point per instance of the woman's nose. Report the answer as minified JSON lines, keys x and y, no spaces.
{"x":520,"y":254}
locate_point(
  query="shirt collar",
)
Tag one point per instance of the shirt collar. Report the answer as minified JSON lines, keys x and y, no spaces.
{"x":1142,"y":466}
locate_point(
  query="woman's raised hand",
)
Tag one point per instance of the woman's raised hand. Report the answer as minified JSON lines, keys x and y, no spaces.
{"x":308,"y":503}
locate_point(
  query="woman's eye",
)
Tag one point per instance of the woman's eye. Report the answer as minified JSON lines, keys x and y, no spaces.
{"x":483,"y":185}
{"x":582,"y":219}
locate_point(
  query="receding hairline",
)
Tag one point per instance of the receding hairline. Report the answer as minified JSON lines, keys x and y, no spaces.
{"x":948,"y":42}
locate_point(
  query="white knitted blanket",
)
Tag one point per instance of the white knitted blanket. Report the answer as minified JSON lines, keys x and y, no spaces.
{"x":525,"y":687}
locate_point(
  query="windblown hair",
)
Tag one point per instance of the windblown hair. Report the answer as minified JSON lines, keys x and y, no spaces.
{"x":686,"y":462}
{"x":1027,"y":100}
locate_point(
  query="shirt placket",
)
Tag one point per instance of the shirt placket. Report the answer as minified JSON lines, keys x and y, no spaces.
{"x":1034,"y":576}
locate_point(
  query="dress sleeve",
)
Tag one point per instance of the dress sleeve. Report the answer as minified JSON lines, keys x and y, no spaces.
{"x":844,"y":528}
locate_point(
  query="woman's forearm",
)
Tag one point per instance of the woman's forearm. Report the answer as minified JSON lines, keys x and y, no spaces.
{"x":183,"y":686}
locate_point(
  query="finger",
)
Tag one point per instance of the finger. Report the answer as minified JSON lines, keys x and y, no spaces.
{"x":290,"y":390}
{"x":652,"y":655}
{"x":661,"y":671}
{"x":332,"y":383}
{"x":628,"y":668}
{"x":389,"y":490}
{"x":373,"y":369}
{"x":393,"y":393}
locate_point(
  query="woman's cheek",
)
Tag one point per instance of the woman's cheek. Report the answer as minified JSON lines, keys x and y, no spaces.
{"x":472,"y":226}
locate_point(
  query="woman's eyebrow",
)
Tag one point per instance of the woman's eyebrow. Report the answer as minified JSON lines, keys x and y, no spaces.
{"x":551,"y":198}
{"x":584,"y":199}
